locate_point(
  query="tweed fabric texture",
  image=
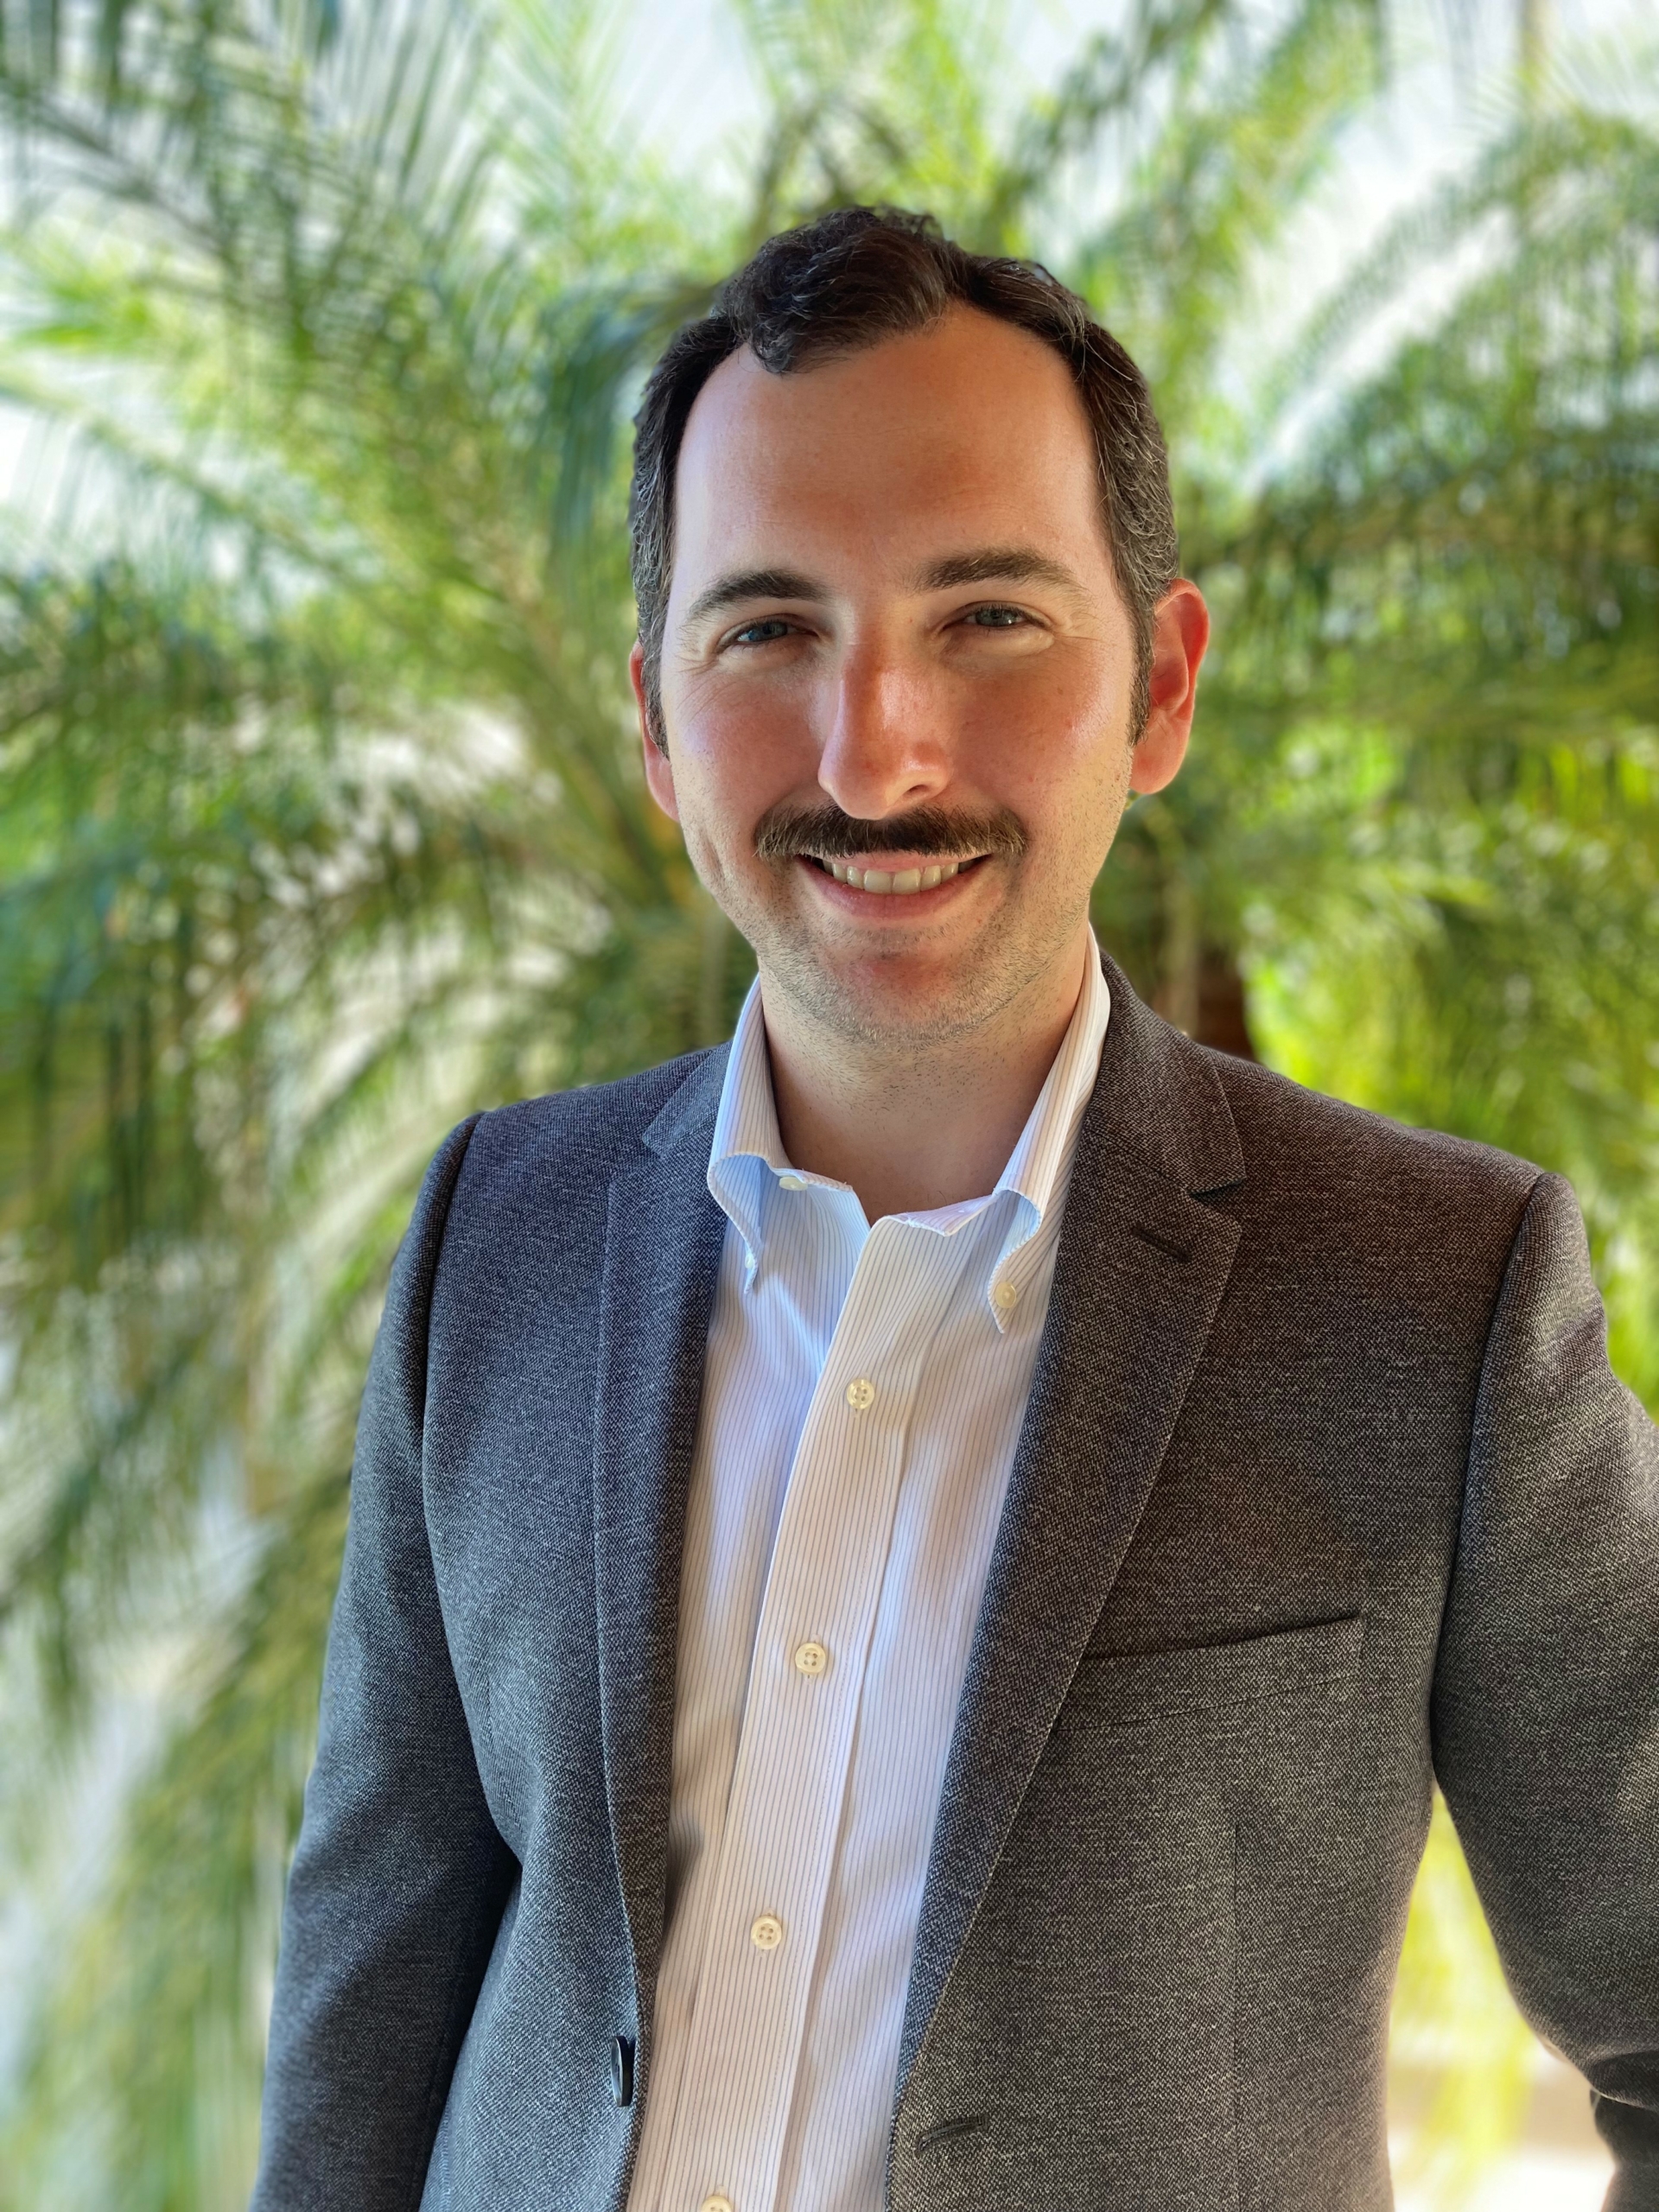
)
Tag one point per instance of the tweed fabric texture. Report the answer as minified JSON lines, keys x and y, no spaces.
{"x":1325,"y":1490}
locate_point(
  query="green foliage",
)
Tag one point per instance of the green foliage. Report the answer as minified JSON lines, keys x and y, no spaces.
{"x":1462,"y":2059}
{"x":323,"y":821}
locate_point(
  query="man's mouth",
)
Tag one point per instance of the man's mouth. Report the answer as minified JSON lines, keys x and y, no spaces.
{"x":893,"y":882}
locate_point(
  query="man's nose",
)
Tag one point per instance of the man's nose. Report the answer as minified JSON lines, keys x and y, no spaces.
{"x":884,"y":748}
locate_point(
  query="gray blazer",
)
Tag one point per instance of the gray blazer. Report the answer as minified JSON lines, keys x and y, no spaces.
{"x":1325,"y":1490}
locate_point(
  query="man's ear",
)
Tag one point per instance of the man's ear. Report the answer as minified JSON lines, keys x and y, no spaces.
{"x":659,"y":777}
{"x":1181,"y":630}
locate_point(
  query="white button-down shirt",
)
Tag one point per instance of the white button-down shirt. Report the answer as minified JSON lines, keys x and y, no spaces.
{"x":863,"y":1394}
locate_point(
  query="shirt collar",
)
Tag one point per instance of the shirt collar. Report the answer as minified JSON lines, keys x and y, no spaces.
{"x":747,"y":1151}
{"x":747,"y":1156}
{"x":1040,"y":1162}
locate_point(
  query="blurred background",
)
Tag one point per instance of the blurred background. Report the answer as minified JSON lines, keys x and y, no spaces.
{"x":321,"y":324}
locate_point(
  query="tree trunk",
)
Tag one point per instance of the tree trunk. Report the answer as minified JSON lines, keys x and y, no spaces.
{"x":1203,"y":996}
{"x":1224,"y":1014}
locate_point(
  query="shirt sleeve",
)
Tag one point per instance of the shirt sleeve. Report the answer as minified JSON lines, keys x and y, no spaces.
{"x":400,"y":1876}
{"x":1545,"y":1696}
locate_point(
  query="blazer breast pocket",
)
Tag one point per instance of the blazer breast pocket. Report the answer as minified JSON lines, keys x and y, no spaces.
{"x":1251,"y":1715}
{"x":1197,"y":1681}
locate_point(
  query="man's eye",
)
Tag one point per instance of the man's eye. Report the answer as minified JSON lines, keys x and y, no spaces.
{"x":764,"y":633}
{"x":998,"y":617}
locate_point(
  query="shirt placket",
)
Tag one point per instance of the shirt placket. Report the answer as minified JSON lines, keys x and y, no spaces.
{"x":778,"y":1846}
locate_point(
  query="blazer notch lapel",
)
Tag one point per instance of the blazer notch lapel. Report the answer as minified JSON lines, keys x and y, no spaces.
{"x":664,"y":1235}
{"x":1140,"y":1271}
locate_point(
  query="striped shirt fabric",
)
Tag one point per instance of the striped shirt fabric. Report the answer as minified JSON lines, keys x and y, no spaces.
{"x":863,"y":1394}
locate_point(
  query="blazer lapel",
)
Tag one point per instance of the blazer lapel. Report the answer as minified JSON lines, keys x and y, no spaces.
{"x":663,"y":1240}
{"x":1138,"y":1277}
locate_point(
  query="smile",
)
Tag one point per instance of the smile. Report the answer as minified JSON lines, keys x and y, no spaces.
{"x":884,"y":882}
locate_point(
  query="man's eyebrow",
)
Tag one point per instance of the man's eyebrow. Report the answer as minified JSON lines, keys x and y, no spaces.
{"x":1005,"y":564}
{"x":750,"y":583}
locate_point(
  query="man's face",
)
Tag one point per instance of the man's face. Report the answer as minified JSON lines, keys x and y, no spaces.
{"x":897,"y":676}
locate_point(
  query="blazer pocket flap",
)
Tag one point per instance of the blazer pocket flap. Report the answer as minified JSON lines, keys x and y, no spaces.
{"x":1197,"y":1679}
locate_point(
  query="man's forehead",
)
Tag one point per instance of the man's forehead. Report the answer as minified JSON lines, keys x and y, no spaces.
{"x":967,"y":434}
{"x":965,"y":376}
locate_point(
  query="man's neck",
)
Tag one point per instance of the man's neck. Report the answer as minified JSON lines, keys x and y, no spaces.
{"x":910,"y":1133}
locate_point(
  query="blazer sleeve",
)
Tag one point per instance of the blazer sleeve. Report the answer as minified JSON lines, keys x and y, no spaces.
{"x":400,"y":1876}
{"x":1545,"y":1696}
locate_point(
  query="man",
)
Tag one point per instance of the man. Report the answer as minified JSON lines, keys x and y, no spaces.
{"x":909,"y":1580}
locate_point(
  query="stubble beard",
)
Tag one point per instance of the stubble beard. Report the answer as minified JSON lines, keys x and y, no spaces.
{"x":866,"y":1001}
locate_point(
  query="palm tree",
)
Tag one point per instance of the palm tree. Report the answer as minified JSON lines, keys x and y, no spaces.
{"x":323,"y":821}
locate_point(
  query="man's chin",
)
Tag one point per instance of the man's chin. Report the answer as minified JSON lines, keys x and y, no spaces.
{"x":901,"y":997}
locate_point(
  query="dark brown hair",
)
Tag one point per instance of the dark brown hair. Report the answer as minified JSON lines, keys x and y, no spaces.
{"x":849,"y":281}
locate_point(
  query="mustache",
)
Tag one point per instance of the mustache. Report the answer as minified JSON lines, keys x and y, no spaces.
{"x":825,"y":833}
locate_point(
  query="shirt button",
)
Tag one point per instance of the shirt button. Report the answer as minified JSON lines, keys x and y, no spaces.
{"x":861,"y":1394}
{"x":716,"y":2204}
{"x":810,"y":1658}
{"x":1005,"y":1295}
{"x":767,"y":1932}
{"x":784,"y":1183}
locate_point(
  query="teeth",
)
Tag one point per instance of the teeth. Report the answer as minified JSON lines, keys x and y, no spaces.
{"x":907,"y":879}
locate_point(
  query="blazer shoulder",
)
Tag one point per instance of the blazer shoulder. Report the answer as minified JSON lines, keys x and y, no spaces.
{"x":557,"y":1154}
{"x":1297,"y":1141}
{"x":605,"y":1118}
